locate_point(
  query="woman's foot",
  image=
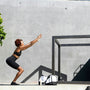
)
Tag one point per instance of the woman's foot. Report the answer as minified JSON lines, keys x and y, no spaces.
{"x":14,"y":83}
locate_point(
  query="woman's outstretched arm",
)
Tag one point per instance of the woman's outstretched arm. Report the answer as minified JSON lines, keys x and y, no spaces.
{"x":31,"y":43}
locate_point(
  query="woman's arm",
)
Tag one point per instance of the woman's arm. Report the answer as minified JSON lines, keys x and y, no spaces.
{"x":31,"y":43}
{"x":34,"y":41}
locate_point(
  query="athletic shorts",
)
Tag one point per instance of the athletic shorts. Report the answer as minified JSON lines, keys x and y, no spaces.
{"x":11,"y":62}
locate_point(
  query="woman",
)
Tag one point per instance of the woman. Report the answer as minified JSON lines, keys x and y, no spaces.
{"x":11,"y":60}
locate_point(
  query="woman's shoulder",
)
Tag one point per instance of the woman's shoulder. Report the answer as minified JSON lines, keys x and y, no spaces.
{"x":17,"y":49}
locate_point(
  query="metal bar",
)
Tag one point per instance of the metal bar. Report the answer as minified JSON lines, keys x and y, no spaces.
{"x":81,"y":44}
{"x":53,"y":56}
{"x":71,"y":36}
{"x":59,"y":63}
{"x":57,"y":42}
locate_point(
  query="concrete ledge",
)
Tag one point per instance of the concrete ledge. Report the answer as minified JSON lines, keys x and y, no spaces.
{"x":37,"y":87}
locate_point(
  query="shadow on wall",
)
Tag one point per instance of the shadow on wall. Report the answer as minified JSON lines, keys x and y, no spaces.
{"x":40,"y":69}
{"x":88,"y":88}
{"x":84,"y":73}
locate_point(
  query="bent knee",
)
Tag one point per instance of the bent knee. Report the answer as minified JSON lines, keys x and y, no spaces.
{"x":20,"y":69}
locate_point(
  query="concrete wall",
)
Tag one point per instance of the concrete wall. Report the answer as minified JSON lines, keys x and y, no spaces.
{"x":26,"y":19}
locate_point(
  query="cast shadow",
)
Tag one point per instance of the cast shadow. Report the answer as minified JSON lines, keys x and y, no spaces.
{"x":84,"y":73}
{"x":88,"y":88}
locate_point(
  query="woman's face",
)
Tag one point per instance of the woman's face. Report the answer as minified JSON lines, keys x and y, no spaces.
{"x":22,"y":43}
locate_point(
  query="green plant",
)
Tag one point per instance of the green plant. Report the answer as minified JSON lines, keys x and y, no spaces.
{"x":2,"y":33}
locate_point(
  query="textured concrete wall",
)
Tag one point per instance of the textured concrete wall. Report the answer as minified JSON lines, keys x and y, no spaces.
{"x":28,"y":18}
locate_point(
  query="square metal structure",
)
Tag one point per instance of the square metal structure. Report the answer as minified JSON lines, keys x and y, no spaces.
{"x":54,"y":40}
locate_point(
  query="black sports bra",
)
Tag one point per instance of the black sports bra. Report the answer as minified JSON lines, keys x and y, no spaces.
{"x":18,"y":53}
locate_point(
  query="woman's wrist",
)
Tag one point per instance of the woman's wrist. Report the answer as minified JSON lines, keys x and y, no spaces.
{"x":38,"y":38}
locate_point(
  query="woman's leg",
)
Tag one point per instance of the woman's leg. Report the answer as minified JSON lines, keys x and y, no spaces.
{"x":18,"y":74}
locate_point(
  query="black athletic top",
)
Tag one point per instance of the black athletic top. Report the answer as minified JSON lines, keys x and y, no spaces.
{"x":18,"y":53}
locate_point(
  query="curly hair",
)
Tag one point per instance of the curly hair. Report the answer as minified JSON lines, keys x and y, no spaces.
{"x":18,"y":42}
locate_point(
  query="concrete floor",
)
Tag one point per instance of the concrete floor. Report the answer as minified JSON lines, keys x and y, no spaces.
{"x":37,"y":87}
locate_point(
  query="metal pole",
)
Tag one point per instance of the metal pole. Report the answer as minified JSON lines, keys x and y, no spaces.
{"x":53,"y":56}
{"x":72,"y":36}
{"x":59,"y":63}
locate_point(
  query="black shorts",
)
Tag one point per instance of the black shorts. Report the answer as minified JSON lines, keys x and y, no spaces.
{"x":11,"y":62}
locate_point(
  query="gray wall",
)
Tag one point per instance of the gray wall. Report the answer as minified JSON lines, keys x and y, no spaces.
{"x":26,"y":19}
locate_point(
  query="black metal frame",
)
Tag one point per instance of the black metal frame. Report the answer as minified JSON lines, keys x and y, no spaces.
{"x":54,"y":40}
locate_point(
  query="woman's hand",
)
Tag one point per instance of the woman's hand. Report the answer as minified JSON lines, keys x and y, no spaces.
{"x":39,"y":36}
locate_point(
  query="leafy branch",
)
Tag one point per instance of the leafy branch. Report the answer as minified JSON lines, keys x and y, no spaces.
{"x":2,"y":33}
